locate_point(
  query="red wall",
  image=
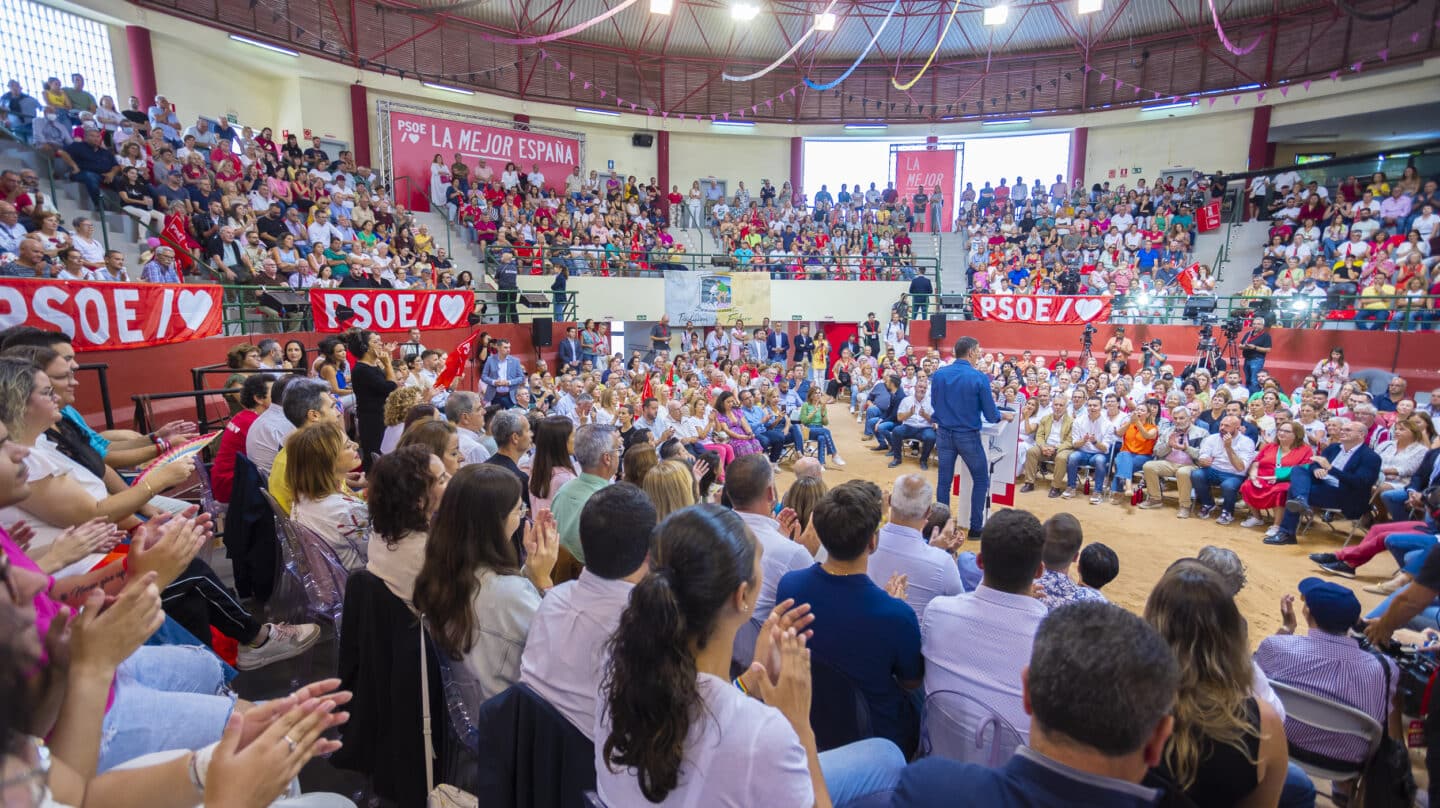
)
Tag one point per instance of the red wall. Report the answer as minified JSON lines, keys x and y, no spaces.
{"x":1295,"y":352}
{"x":166,"y":369}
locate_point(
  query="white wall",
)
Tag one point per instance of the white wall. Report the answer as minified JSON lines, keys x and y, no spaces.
{"x":1204,"y":142}
{"x":636,"y":298}
{"x":732,"y":156}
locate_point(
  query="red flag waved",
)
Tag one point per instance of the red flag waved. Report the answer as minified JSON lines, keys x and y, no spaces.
{"x":456,"y":361}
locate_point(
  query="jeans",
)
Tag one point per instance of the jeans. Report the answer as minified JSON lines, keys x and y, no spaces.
{"x":903,"y":432}
{"x":872,"y":419}
{"x":882,"y":434}
{"x":1078,"y":458}
{"x":966,"y":446}
{"x":1409,"y":549}
{"x":1429,"y":617}
{"x":1202,"y":478}
{"x":166,"y":697}
{"x":1125,"y":466}
{"x":559,"y":303}
{"x":1394,"y":501}
{"x":823,"y":442}
{"x":1371,"y":319}
{"x":1298,"y":791}
{"x":90,"y":180}
{"x":922,"y":308}
{"x":861,"y":769}
{"x":1252,"y":368}
{"x":775,"y":440}
{"x":1304,"y":489}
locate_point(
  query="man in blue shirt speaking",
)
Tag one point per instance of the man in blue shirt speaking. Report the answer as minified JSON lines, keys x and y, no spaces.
{"x":961,"y":395}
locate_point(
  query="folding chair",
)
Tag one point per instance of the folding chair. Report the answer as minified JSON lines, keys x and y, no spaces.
{"x":1328,"y":715}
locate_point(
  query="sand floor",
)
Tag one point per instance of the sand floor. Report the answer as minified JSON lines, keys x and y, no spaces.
{"x":1146,"y":541}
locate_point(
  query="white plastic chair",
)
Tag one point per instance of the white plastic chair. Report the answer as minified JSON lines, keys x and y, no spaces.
{"x":1328,"y":715}
{"x":958,"y":727}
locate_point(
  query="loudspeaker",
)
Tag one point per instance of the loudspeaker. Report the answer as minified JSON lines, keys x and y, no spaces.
{"x":642,"y":140}
{"x":280,"y":300}
{"x":1197,"y":306}
{"x":540,"y":332}
{"x":937,"y":326}
{"x":534,"y":300}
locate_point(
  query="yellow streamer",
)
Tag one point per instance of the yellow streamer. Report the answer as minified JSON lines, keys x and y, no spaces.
{"x":911,"y":83}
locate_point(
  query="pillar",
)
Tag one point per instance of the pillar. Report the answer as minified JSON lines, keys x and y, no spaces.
{"x":360,"y":123}
{"x":1079,"y":142}
{"x":1262,"y":152}
{"x":797,"y":163}
{"x":662,"y":160}
{"x":142,"y":64}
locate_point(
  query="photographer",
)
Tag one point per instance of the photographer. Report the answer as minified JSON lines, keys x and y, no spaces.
{"x":1254,"y":345}
{"x":1154,"y":357}
{"x":1119,"y":346}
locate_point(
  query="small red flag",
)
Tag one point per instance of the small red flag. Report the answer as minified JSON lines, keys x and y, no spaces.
{"x":456,"y":361}
{"x":1186,"y":279}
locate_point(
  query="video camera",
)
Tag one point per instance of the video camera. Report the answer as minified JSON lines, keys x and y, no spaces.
{"x":1087,"y":337}
{"x":1207,"y":333}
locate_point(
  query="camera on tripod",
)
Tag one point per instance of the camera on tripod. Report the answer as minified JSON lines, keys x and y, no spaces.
{"x":1207,"y":334}
{"x":1087,"y":337}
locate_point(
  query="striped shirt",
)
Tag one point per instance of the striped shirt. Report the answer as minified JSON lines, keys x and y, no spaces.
{"x":1333,"y":666}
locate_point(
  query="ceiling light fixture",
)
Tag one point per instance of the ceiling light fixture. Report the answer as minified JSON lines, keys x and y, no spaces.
{"x":447,"y":88}
{"x":744,"y":11}
{"x":1169,"y":105}
{"x":996,"y":15}
{"x":266,"y":45}
{"x":825,"y":21}
{"x":662,"y":6}
{"x":734,"y":124}
{"x":606,"y":112}
{"x":1006,"y":122}
{"x":1089,"y":6}
{"x":866,"y":127}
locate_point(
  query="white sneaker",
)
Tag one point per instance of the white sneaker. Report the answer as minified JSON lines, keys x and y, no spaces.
{"x":1252,"y":521}
{"x":285,"y":641}
{"x":1271,"y":531}
{"x":838,"y":461}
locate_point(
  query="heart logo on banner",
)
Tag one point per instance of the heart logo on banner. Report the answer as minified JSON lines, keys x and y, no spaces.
{"x":194,"y":307}
{"x":1089,"y":308}
{"x":453,"y":307}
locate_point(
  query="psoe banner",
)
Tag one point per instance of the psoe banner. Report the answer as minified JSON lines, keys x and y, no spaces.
{"x":388,"y":310}
{"x":415,"y":139}
{"x":928,"y":169}
{"x":107,"y":316}
{"x":1041,"y":309}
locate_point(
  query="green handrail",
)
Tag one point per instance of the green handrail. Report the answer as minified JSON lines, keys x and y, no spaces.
{"x":660,"y":259}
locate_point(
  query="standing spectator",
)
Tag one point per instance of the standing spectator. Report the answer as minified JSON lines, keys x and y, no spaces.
{"x":373,"y":379}
{"x":501,"y":374}
{"x":978,"y":643}
{"x":922,"y":291}
{"x":1254,"y":345}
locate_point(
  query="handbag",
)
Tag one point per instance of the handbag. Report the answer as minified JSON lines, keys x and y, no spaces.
{"x":443,"y":795}
{"x":1387,"y":780}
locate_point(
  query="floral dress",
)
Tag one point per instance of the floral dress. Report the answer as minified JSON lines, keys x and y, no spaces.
{"x":735,"y":422}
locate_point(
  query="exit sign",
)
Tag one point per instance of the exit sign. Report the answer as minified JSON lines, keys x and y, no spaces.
{"x":641,"y":317}
{"x":797,"y":317}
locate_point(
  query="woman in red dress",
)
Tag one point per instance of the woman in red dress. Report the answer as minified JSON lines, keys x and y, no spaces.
{"x":1268,"y":481}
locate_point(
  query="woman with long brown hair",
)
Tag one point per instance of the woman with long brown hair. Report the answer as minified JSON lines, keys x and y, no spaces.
{"x":473,"y":590}
{"x":1228,"y":749}
{"x":551,"y":468}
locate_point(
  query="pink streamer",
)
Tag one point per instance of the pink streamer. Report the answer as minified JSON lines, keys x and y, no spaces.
{"x":551,"y":37}
{"x":1225,"y":40}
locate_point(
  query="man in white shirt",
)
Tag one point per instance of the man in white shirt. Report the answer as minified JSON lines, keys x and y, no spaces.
{"x":1091,"y":434}
{"x":1365,"y":223}
{"x":1222,"y":460}
{"x":978,"y":643}
{"x":203,"y":134}
{"x":565,"y":404}
{"x":1426,"y":223}
{"x":267,"y":434}
{"x":1287,"y":181}
{"x":466,"y":411}
{"x":536,"y":177}
{"x":750,"y":485}
{"x":564,"y":657}
{"x":1236,"y":387}
{"x":321,"y":231}
{"x":929,"y":568}
{"x":916,"y":421}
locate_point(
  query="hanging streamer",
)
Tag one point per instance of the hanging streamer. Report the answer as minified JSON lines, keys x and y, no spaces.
{"x":783,"y":57}
{"x":571,"y":31}
{"x":864,"y":53}
{"x":943,"y":31}
{"x":1225,"y":40}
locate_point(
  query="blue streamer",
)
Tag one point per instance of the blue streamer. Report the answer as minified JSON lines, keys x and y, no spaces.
{"x":832,"y":85}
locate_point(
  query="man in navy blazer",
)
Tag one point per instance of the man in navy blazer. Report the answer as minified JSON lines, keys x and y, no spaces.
{"x":570,"y":350}
{"x":778,"y":344}
{"x":804,"y":346}
{"x":1342,"y":476}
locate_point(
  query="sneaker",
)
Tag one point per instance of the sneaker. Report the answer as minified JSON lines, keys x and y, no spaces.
{"x":1272,"y":530}
{"x":1096,"y":498}
{"x":1069,"y":493}
{"x":1183,"y":513}
{"x":1115,"y":497}
{"x":1027,"y":488}
{"x":1252,"y":521}
{"x":838,"y":461}
{"x":1339,"y":568}
{"x":1389,"y":587}
{"x":1151,"y":504}
{"x":1280,"y":537}
{"x":894,"y":463}
{"x":1206,"y":511}
{"x":1226,"y":518}
{"x":1054,"y":493}
{"x":284,"y":642}
{"x":1324,"y":558}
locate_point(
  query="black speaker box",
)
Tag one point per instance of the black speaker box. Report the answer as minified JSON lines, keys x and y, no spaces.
{"x":937,"y":326}
{"x":642,"y":140}
{"x":540,"y":332}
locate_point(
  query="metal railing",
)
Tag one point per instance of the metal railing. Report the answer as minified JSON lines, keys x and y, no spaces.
{"x":102,"y":378}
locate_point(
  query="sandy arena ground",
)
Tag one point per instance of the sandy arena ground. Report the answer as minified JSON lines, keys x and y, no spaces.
{"x":1146,"y":541}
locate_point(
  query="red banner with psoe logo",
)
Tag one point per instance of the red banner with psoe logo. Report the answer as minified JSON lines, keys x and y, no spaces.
{"x":106,"y":316}
{"x":927,"y":170}
{"x":1041,"y":309}
{"x":387,"y":310}
{"x":415,"y":141}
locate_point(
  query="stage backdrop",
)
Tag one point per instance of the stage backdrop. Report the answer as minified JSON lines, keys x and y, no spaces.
{"x":929,"y":169}
{"x":415,"y":135}
{"x":710,"y":298}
